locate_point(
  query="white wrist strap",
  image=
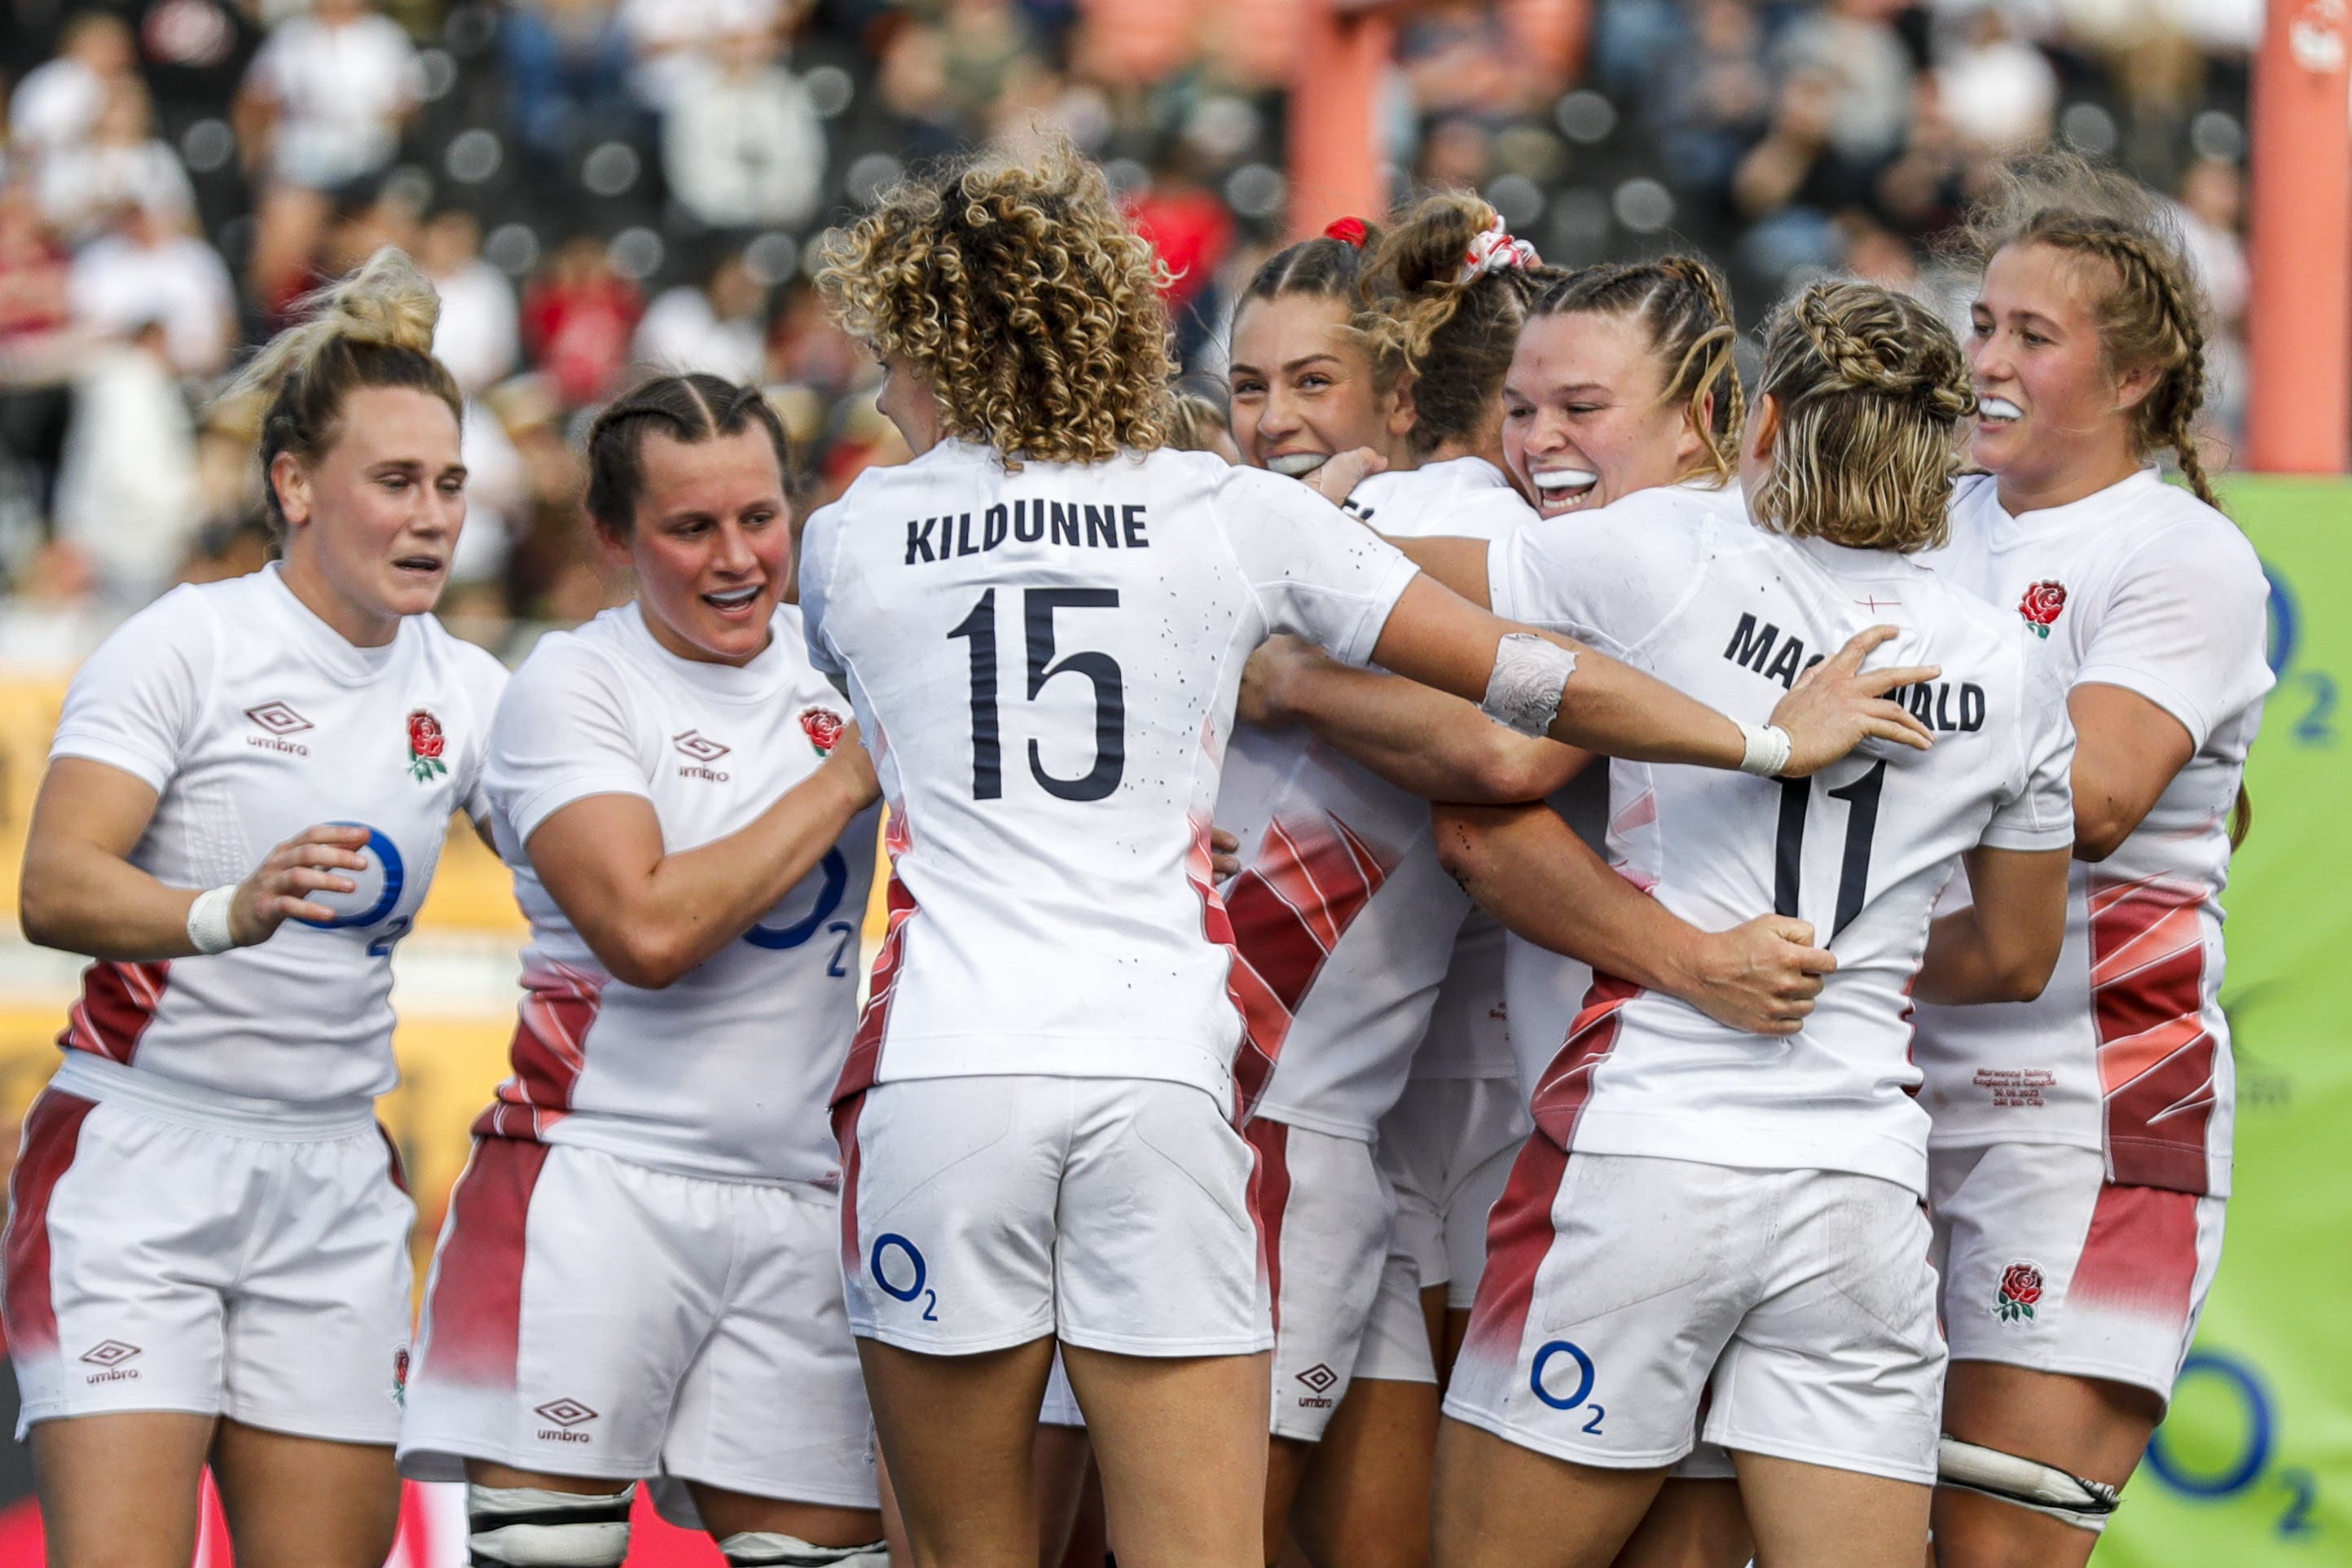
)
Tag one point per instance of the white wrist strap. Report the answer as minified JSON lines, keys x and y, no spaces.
{"x":208,"y":920}
{"x":1768,"y":749}
{"x":1529,"y":677}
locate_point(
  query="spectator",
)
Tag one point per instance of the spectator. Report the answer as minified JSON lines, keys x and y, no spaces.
{"x":742,"y":145}
{"x":1850,"y":46}
{"x":127,"y":493}
{"x":59,"y":101}
{"x":578,"y":318}
{"x":120,"y":164}
{"x":718,"y":328}
{"x":667,"y":35}
{"x":152,"y":269}
{"x":476,"y":334}
{"x":568,"y":61}
{"x":321,"y":114}
{"x":2001,"y":91}
{"x":1794,"y":180}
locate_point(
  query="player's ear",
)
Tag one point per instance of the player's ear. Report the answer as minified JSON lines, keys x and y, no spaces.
{"x":612,"y":547}
{"x":1404,"y":412}
{"x":291,"y":482}
{"x":1764,"y":429}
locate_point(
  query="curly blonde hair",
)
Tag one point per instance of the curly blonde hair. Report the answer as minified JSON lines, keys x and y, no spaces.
{"x":2146,"y":298}
{"x":1871,"y":389}
{"x":1684,"y":306}
{"x":1019,"y":292}
{"x":1455,"y":334}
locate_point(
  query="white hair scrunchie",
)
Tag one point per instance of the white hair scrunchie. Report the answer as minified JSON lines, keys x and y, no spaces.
{"x":1496,"y":248}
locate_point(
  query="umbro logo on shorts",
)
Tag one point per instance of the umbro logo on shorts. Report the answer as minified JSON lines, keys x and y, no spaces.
{"x":1320,"y":1378}
{"x":110,"y":1353}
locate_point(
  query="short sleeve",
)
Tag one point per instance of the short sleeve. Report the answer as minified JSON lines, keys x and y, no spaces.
{"x":563,"y":732}
{"x":815,"y":583}
{"x":2039,"y":812}
{"x":137,"y":702}
{"x":1614,"y":579}
{"x":1316,"y":573}
{"x":2185,"y":626}
{"x":485,"y":680}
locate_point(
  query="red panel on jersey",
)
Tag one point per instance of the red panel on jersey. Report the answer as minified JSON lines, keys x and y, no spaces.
{"x":2157,"y":1059}
{"x":1567,"y":1085}
{"x":1283,"y":917}
{"x":1270,"y":1201}
{"x":52,"y":1133}
{"x":2141,"y":1254}
{"x":863,"y":1066}
{"x":118,"y":1002}
{"x":549,"y":1054}
{"x":1519,"y":1234}
{"x":476,"y":1306}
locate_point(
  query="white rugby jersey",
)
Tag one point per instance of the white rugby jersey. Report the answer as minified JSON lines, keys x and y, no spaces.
{"x":2144,"y":587}
{"x":1684,"y":585}
{"x":253,"y":719}
{"x":1044,"y":664}
{"x":1342,"y":908}
{"x":725,"y":1072}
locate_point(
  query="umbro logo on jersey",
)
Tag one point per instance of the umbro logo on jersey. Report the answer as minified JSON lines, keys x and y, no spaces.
{"x":705,"y":751}
{"x":566,"y":1414}
{"x":280,"y":721}
{"x":108,"y":1356}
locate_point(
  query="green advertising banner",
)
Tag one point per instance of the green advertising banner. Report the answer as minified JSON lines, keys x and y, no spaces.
{"x":2253,"y":1466}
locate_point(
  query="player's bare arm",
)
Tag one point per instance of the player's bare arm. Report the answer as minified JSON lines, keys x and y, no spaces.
{"x":80,"y":892}
{"x":2127,"y":751}
{"x":1527,"y":868}
{"x":650,"y":916}
{"x":2003,"y":947}
{"x":1420,"y":739}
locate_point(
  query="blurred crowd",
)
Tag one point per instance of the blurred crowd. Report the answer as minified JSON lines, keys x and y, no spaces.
{"x":602,"y":185}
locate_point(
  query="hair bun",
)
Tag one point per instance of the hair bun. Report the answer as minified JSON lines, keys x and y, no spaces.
{"x":389,"y":301}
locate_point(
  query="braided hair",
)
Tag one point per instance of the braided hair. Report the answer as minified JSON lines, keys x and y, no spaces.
{"x":1683,"y":305}
{"x":2147,"y":307}
{"x":690,"y":410}
{"x":1871,"y":389}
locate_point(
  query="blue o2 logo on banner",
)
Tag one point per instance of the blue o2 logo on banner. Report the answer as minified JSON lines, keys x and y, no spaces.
{"x":379,"y":885}
{"x":2223,"y":1475}
{"x":792,"y":932}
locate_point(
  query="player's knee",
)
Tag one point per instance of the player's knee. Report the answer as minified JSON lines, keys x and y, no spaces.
{"x":767,"y":1549}
{"x":527,"y":1527}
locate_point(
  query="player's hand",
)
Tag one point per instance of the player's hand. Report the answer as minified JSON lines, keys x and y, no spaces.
{"x":852,"y":767}
{"x":1761,"y":977}
{"x":1837,"y":705}
{"x":279,"y":888}
{"x":1266,"y":681}
{"x":1225,"y":855}
{"x":1341,"y":472}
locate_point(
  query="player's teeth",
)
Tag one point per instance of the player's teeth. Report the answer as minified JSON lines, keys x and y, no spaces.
{"x":1999,"y":408}
{"x":1564,"y":479}
{"x":1298,"y":465}
{"x":733,"y":596}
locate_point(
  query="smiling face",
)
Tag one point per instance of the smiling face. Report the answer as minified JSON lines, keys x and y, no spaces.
{"x":372,"y":522}
{"x":711,"y":544}
{"x":1305,"y":389}
{"x":2055,"y":421}
{"x":1585,"y":421}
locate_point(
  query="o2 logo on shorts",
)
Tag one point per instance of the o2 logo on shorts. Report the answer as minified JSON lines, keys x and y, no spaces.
{"x":791,"y":931}
{"x":1544,"y":1380}
{"x":892,"y":1249}
{"x":379,"y":890}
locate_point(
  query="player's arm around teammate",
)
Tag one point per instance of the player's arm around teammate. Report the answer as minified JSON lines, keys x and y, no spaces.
{"x":222,"y":1062}
{"x":639,"y":1276}
{"x":2079,"y":1176}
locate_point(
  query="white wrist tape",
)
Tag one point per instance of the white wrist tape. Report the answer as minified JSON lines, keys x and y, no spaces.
{"x":208,"y":920}
{"x":1530,"y":676}
{"x":1768,"y":749}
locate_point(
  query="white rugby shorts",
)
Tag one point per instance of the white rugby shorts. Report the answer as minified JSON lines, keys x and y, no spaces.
{"x":589,"y":1316}
{"x":1619,"y":1290}
{"x":2048,"y":1265}
{"x":207,"y":1254}
{"x":984,"y":1212}
{"x":1328,"y":1216}
{"x":1447,"y":1149}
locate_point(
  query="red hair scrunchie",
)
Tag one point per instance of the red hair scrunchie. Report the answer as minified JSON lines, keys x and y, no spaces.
{"x":1349,"y":231}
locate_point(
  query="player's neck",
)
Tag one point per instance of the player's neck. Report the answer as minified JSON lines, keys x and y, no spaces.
{"x":359,"y":625}
{"x":2021,"y":493}
{"x":1489,"y":449}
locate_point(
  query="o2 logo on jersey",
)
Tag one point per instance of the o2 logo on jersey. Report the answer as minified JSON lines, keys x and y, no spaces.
{"x":379,"y":887}
{"x":782,"y":929}
{"x":1547,"y":1378}
{"x":892,"y":1253}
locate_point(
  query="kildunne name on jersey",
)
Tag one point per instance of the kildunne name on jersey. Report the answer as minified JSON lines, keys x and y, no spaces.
{"x":1954,"y":705}
{"x":1026,"y":522}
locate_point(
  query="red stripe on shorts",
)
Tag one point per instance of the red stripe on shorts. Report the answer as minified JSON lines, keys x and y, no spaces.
{"x":1567,"y":1084}
{"x":2157,"y":1059}
{"x":475,"y":1314}
{"x":549,"y":1054}
{"x":845,"y":1132}
{"x":1269,"y":1191}
{"x":1519,"y":1234}
{"x":863,"y":1066}
{"x":2140,"y":1257}
{"x":118,"y":1004}
{"x":52,"y":1134}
